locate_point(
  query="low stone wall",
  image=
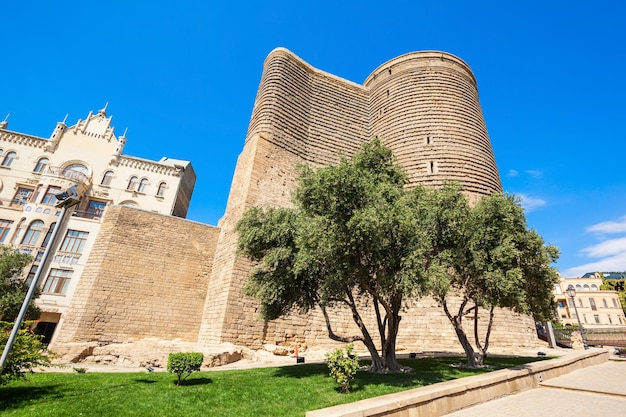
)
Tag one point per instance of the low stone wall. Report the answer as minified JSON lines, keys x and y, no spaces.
{"x":447,"y":397}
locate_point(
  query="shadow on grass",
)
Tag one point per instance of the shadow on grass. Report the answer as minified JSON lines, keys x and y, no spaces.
{"x":195,"y":381}
{"x":145,"y":381}
{"x":425,"y":371}
{"x":12,"y":398}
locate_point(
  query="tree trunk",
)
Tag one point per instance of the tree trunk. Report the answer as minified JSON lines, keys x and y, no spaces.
{"x":481,"y":347}
{"x":460,"y":333}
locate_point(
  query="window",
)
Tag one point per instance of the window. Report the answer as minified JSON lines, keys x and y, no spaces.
{"x":161,"y":189}
{"x":605,"y":303}
{"x":95,"y":209}
{"x":49,"y":198}
{"x":8,"y":159}
{"x":592,"y":304}
{"x":580,"y":302}
{"x":596,"y":318}
{"x":132,"y":184}
{"x":614,"y":300}
{"x":78,"y":168}
{"x":31,"y":274}
{"x":57,"y":282}
{"x":32,"y":233}
{"x":74,"y":241}
{"x":570,"y":302}
{"x":561,"y":304}
{"x":594,"y":287}
{"x":48,"y":234}
{"x":578,"y":287}
{"x":106,"y":178}
{"x":41,"y":165}
{"x":5,"y":228}
{"x":142,"y":185}
{"x":21,"y":196}
{"x":586,"y":287}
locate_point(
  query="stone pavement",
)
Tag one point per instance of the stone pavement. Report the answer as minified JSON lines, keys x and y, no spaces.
{"x":598,"y":390}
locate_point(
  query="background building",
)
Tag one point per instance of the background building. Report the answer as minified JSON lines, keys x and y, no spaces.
{"x":598,"y":309}
{"x":87,"y":156}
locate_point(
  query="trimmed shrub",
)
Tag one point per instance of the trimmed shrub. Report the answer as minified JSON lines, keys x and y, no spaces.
{"x":184,"y":364}
{"x":343,"y":366}
{"x":26,"y":354}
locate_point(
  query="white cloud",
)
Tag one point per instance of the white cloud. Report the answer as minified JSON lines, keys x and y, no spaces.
{"x":530,"y":203}
{"x":609,"y":227}
{"x":512,"y":173}
{"x":534,"y":173}
{"x":611,"y":252}
{"x":607,"y":248}
{"x":613,"y":263}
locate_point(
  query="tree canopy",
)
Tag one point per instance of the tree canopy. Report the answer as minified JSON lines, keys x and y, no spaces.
{"x":13,"y":289}
{"x":359,"y":238}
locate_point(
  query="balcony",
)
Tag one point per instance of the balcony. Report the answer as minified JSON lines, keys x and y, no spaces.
{"x":71,"y":174}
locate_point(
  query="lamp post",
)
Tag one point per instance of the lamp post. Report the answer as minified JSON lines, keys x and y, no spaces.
{"x":572,"y":293}
{"x":66,"y":200}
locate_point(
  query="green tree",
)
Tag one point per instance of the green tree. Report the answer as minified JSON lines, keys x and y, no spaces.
{"x":27,"y":353}
{"x":493,"y":260}
{"x":13,"y":288}
{"x":617,"y":285}
{"x":344,"y":243}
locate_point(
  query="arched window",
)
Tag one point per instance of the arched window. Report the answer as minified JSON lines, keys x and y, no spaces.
{"x":132,"y":184}
{"x":594,"y":287}
{"x":78,"y":168}
{"x":48,"y":234}
{"x":106,"y":178}
{"x":586,"y":287}
{"x":161,"y":189}
{"x":578,"y":287}
{"x":8,"y":159}
{"x":129,"y":203}
{"x":142,"y":185}
{"x":32,"y":233}
{"x":41,"y":164}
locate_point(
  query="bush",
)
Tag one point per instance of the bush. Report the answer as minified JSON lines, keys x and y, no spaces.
{"x":27,"y":352}
{"x":184,"y":364}
{"x":343,"y":366}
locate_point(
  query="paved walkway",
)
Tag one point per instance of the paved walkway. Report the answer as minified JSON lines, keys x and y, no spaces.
{"x":594,"y":391}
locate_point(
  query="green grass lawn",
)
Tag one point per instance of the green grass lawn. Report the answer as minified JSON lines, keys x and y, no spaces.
{"x":282,"y":391}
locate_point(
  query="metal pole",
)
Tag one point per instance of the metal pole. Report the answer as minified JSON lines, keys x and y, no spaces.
{"x":582,"y":330}
{"x":31,"y":290}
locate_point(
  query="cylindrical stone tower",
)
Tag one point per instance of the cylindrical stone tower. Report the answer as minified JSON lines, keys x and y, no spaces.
{"x":424,"y":106}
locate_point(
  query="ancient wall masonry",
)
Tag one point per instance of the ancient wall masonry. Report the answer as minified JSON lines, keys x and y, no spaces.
{"x":424,"y":106}
{"x":152,"y":276}
{"x":146,"y":277}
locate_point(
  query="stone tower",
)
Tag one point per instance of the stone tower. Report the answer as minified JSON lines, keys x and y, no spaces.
{"x":423,"y":105}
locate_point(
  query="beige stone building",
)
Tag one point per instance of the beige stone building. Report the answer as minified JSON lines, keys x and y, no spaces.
{"x":90,"y":157}
{"x":596,"y":308}
{"x":137,"y":285}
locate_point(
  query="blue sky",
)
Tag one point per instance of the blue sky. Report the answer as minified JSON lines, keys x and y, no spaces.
{"x":182,"y":77}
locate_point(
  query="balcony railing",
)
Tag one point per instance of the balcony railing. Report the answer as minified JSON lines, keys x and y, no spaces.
{"x":68,"y":173}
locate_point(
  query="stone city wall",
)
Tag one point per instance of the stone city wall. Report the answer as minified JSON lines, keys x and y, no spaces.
{"x":146,"y":277}
{"x":424,"y":106}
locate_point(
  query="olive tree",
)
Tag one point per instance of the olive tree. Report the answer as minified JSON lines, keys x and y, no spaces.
{"x":344,"y":242}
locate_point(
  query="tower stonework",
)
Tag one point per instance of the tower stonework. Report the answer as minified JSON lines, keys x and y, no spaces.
{"x":424,"y":106}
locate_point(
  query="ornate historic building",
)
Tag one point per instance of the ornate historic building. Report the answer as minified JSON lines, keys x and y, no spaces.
{"x":87,"y":156}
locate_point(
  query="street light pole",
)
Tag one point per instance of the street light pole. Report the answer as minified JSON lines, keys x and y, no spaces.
{"x":69,"y":200}
{"x":572,"y":293}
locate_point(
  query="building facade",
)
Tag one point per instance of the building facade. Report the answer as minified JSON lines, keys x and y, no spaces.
{"x":88,"y":157}
{"x":596,"y":308}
